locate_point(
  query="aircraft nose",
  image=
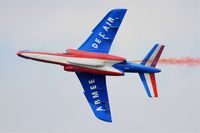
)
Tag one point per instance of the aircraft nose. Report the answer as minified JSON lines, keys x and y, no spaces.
{"x":19,"y":53}
{"x":22,"y":51}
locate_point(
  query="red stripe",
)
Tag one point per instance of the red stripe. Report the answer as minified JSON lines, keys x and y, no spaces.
{"x":80,"y":54}
{"x":153,"y":82}
{"x":84,"y":54}
{"x":74,"y":68}
{"x":157,"y":56}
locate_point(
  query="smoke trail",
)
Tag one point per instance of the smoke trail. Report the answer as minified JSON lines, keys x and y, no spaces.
{"x":188,"y":61}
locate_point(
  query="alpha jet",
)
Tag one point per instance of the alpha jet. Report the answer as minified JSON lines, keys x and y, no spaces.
{"x":92,"y":63}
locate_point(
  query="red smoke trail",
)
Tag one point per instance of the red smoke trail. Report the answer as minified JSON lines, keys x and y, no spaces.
{"x":188,"y":61}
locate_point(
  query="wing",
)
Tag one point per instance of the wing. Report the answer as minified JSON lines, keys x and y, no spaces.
{"x":95,"y":91}
{"x":104,"y":33}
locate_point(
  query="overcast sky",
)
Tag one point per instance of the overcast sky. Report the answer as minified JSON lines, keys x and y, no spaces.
{"x":42,"y":98}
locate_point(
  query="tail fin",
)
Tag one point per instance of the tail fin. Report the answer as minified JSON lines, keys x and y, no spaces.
{"x":148,"y":79}
{"x":153,"y":56}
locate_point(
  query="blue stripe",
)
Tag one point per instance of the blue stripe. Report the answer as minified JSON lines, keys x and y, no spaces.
{"x":149,"y":54}
{"x":144,"y":81}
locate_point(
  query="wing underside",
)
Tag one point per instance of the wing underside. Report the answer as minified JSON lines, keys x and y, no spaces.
{"x":104,"y":33}
{"x":95,"y":91}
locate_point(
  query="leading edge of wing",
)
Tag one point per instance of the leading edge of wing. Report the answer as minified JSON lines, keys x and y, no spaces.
{"x":104,"y":33}
{"x":95,"y":91}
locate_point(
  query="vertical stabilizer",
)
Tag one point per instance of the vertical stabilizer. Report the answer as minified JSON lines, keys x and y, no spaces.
{"x":153,"y":56}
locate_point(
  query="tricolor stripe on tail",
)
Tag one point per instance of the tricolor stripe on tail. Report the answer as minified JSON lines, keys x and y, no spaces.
{"x":153,"y":56}
{"x":148,"y":79}
{"x":149,"y":83}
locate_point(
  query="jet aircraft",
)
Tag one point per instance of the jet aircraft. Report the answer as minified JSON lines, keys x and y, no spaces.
{"x":92,"y":63}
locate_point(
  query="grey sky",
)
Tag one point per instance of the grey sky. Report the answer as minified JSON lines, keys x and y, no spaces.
{"x":40,"y":98}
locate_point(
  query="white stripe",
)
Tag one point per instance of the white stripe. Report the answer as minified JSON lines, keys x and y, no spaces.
{"x":98,"y":64}
{"x":86,"y":62}
{"x":150,"y":61}
{"x":45,"y":57}
{"x":148,"y":79}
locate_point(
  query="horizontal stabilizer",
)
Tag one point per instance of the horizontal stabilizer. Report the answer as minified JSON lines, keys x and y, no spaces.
{"x":149,"y":82}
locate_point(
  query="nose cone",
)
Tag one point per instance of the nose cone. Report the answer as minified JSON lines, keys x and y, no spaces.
{"x":21,"y":53}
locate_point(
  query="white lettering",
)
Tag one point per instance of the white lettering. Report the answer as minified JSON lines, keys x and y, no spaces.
{"x":94,"y":45}
{"x":93,"y":87}
{"x":91,"y":81}
{"x":96,"y":102}
{"x":102,"y":35}
{"x":106,"y":28}
{"x":100,"y":109}
{"x":111,"y":19}
{"x":97,"y":40}
{"x":95,"y":94}
{"x":108,"y":23}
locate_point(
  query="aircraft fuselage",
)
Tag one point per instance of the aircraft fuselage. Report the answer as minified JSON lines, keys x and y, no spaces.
{"x":88,"y":62}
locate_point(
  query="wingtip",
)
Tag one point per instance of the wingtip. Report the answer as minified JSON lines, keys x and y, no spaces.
{"x":104,"y":117}
{"x":157,"y":44}
{"x":108,"y":119}
{"x":119,"y":9}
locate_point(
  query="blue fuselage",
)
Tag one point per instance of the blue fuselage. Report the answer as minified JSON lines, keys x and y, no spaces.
{"x":135,"y":68}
